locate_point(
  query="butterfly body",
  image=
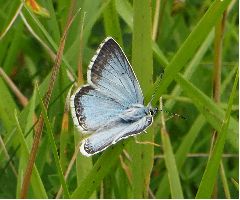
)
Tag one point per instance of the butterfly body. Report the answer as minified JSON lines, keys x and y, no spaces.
{"x":135,"y":113}
{"x":110,"y":107}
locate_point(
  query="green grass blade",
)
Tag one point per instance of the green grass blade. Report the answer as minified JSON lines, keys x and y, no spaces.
{"x":83,"y":164}
{"x":173,"y":176}
{"x":42,"y":28}
{"x":7,"y":116}
{"x":181,"y":154}
{"x":207,"y":183}
{"x":190,"y":46}
{"x":48,"y":37}
{"x":90,"y":6}
{"x":16,"y":43}
{"x":28,"y":138}
{"x":235,"y":183}
{"x":228,"y":79}
{"x":224,"y":181}
{"x":199,"y":97}
{"x":100,"y":169}
{"x":192,"y":66}
{"x":6,"y":113}
{"x":10,"y":15}
{"x":111,"y":22}
{"x":52,"y":22}
{"x":125,"y":10}
{"x":142,"y":155}
{"x":163,"y":189}
{"x":160,"y":57}
{"x":112,"y":28}
{"x":213,"y":114}
{"x":54,"y":150}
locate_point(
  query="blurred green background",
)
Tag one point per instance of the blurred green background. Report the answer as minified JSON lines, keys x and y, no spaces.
{"x":194,"y":44}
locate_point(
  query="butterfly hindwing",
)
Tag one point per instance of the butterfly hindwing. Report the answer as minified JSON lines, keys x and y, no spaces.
{"x":112,"y":133}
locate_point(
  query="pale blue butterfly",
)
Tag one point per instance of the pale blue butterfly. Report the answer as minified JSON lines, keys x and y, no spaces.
{"x":110,"y":107}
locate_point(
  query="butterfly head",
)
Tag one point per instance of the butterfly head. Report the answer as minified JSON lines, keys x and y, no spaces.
{"x":150,"y":110}
{"x":153,"y":111}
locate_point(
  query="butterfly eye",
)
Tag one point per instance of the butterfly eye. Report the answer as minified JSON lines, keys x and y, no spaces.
{"x":153,"y":111}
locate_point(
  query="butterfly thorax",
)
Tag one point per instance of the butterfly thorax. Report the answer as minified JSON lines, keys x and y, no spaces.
{"x":135,"y":113}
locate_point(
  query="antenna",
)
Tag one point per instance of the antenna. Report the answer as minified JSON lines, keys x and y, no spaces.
{"x":173,"y":114}
{"x":161,"y":109}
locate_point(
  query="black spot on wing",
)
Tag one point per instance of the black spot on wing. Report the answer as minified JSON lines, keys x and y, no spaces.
{"x":79,"y":109}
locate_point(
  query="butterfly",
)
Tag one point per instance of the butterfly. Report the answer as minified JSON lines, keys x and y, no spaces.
{"x":111,"y":106}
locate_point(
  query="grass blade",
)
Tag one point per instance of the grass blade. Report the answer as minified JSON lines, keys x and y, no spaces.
{"x":181,"y":154}
{"x":111,"y":22}
{"x":142,"y":155}
{"x":173,"y":176}
{"x":54,"y":150}
{"x":210,"y":173}
{"x":6,"y":113}
{"x":100,"y":169}
{"x":28,"y":138}
{"x":38,"y":134}
{"x":192,"y":66}
{"x":190,"y":45}
{"x":47,"y":35}
{"x":213,"y":114}
{"x":224,"y":181}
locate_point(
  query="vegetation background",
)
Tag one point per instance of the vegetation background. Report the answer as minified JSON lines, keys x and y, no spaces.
{"x":193,"y":43}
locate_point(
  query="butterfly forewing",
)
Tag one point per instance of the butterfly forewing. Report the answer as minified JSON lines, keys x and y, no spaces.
{"x":112,"y":88}
{"x":111,"y":72}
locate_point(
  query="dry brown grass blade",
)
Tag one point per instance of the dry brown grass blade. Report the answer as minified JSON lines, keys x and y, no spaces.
{"x":22,"y":99}
{"x":217,"y":71}
{"x":126,"y":169}
{"x":38,"y":133}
